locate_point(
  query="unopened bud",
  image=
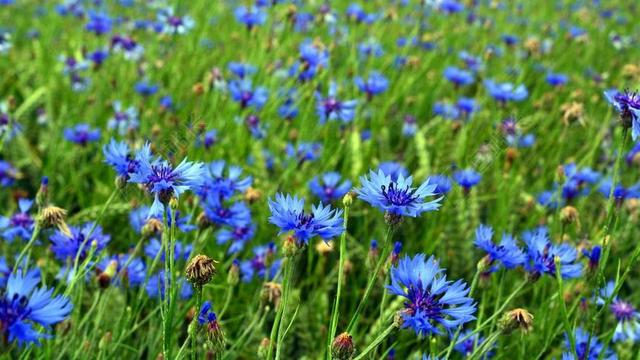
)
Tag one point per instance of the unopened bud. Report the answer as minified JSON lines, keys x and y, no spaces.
{"x":570,"y":215}
{"x":104,"y":278}
{"x":233,"y":277}
{"x":324,"y":248}
{"x":152,"y":227}
{"x":173,"y":203}
{"x":121,"y":182}
{"x":342,"y":347}
{"x":42,"y":197}
{"x":263,"y":349}
{"x":252,"y":195}
{"x":347,"y":200}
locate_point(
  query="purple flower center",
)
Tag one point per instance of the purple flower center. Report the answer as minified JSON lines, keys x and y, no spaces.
{"x":398,"y":197}
{"x":304,"y":219}
{"x":174,"y":21}
{"x":422,"y":301}
{"x":22,"y":220}
{"x":622,"y":310}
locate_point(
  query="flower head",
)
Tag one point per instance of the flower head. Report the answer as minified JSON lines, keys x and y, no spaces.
{"x":22,"y":306}
{"x":506,"y":91}
{"x":287,"y":212}
{"x":541,"y":256}
{"x":163,"y":180}
{"x":627,"y":104}
{"x":507,"y":252}
{"x":82,"y":134}
{"x":20,"y":224}
{"x":397,"y":197}
{"x":433,"y":303}
{"x":331,"y":108}
{"x":467,"y":178}
{"x":584,"y":342}
{"x":328,"y":187}
{"x":78,"y":242}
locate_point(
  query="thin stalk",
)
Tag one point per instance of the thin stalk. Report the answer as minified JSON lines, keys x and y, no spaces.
{"x":34,"y":237}
{"x":372,"y":279}
{"x":285,"y":302}
{"x":336,"y":303}
{"x":474,"y":283}
{"x":376,"y":342}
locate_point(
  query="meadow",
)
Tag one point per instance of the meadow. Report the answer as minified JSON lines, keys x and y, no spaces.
{"x":285,"y":179}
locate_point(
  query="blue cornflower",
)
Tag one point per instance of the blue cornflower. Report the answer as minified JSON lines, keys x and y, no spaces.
{"x":287,"y":213}
{"x":172,"y":24}
{"x":469,"y":344}
{"x":582,"y":339}
{"x":251,"y":16}
{"x":163,"y":180}
{"x":207,"y":138}
{"x":370,"y":48}
{"x":242,"y":92}
{"x":289,"y":109}
{"x":262,"y":265}
{"x":155,"y":286}
{"x":458,"y":77}
{"x":312,"y":59}
{"x":241,"y":70}
{"x":82,"y":134}
{"x":473,"y":63}
{"x":145,"y":88}
{"x":79,"y":241}
{"x":329,"y":188}
{"x":506,"y":91}
{"x":510,"y":40}
{"x":331,"y":108}
{"x":22,"y":306}
{"x":627,"y":104}
{"x":134,"y":274}
{"x":433,"y":303}
{"x":397,"y":197}
{"x":541,"y":254}
{"x":450,"y":6}
{"x":467,"y":107}
{"x":409,"y":126}
{"x":133,"y":51}
{"x":375,"y":84}
{"x":446,"y":110}
{"x":467,"y":178}
{"x":393,"y":169}
{"x":593,"y":256}
{"x":181,"y":252}
{"x":239,"y":233}
{"x":123,"y":120}
{"x":507,"y":252}
{"x":98,"y":56}
{"x":442,"y":182}
{"x":121,"y":159}
{"x":217,"y":212}
{"x":628,"y":319}
{"x":8,"y":173}
{"x":620,"y":193}
{"x":556,"y":79}
{"x":395,"y":252}
{"x":304,"y":151}
{"x":19,"y":224}
{"x":99,"y":23}
{"x":215,"y":183}
{"x":549,"y":199}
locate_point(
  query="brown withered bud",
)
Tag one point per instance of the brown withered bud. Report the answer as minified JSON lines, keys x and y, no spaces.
{"x":569,"y":215}
{"x":198,"y":89}
{"x":516,"y":319}
{"x":53,"y":216}
{"x":200,"y":270}
{"x":152,"y":227}
{"x":252,"y":195}
{"x":271,"y":294}
{"x":572,"y":112}
{"x":324,"y":248}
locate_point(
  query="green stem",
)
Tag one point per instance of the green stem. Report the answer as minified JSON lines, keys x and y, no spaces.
{"x":276,"y":322}
{"x":336,"y":303}
{"x":227,"y":301}
{"x":34,"y":237}
{"x":194,"y":323}
{"x":376,"y":342}
{"x":563,"y":307}
{"x":372,"y":279}
{"x":166,"y":293}
{"x":285,"y":302}
{"x":474,"y":283}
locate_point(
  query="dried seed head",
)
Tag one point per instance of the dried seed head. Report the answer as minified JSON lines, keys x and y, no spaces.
{"x":152,"y":227}
{"x":200,"y":270}
{"x":271,"y":294}
{"x":53,"y":216}
{"x":252,"y":195}
{"x":569,"y":215}
{"x":516,"y":319}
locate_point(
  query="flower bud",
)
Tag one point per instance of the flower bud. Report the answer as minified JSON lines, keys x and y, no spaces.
{"x":104,"y":278}
{"x":347,"y":200}
{"x":152,"y":227}
{"x":271,"y":294}
{"x":570,"y":215}
{"x":515,"y":319}
{"x":252,"y":195}
{"x":173,"y":203}
{"x":324,"y":247}
{"x":200,"y":270}
{"x":263,"y":349}
{"x":233,"y":277}
{"x":42,"y":197}
{"x":342,"y":347}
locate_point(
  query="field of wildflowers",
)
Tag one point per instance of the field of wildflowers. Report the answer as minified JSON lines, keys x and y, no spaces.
{"x":287,"y":179}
